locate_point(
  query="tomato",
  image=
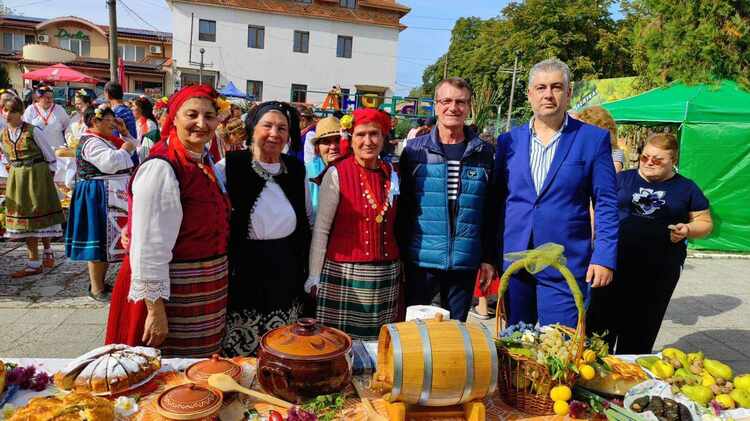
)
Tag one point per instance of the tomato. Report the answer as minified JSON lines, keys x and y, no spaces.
{"x":275,"y":416}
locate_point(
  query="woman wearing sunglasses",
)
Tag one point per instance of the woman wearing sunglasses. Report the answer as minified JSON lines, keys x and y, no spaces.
{"x":659,"y":210}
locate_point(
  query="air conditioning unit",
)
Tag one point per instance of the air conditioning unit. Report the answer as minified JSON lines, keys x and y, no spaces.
{"x":154,"y":49}
{"x":42,"y":38}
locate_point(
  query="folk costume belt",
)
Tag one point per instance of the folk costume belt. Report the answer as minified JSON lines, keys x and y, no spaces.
{"x":26,"y":162}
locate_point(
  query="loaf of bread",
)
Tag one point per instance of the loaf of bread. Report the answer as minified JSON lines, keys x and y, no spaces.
{"x":109,"y":369}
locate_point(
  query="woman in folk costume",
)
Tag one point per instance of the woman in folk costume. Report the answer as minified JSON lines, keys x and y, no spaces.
{"x":150,"y":138}
{"x":33,"y":209}
{"x":99,"y":205}
{"x":171,"y":291}
{"x":145,"y":120}
{"x":326,"y":143}
{"x":76,"y":128}
{"x":354,"y":266}
{"x":5,"y":95}
{"x":51,"y":118}
{"x":270,"y":229}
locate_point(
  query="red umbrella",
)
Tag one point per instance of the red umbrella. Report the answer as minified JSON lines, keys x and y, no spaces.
{"x":59,"y":73}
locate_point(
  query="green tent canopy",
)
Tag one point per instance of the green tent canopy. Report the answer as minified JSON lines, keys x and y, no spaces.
{"x":714,"y":149}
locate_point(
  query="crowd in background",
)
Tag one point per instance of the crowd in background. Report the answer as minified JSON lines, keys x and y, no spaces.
{"x":231,"y":223}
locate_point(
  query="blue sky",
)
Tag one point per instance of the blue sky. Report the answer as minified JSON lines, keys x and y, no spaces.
{"x":426,"y":39}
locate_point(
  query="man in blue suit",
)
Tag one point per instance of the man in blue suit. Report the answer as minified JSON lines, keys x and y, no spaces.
{"x":550,"y":171}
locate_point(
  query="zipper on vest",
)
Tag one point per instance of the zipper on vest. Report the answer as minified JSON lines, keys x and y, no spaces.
{"x":448,"y":212}
{"x":454,"y":211}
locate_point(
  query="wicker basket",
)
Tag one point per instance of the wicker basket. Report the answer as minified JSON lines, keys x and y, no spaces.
{"x":524,"y":383}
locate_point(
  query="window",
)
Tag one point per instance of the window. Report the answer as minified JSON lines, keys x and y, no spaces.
{"x":148,"y":87}
{"x":301,"y":42}
{"x":29,"y":39}
{"x":299,"y":93}
{"x":132,"y":52}
{"x":207,"y":30}
{"x":187,"y":79}
{"x":15,"y":42}
{"x":82,"y":47}
{"x":255,"y":88}
{"x":305,"y":1}
{"x":255,"y":36}
{"x":349,"y":4}
{"x":344,"y":47}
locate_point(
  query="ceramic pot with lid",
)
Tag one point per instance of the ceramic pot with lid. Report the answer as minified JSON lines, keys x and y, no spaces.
{"x":200,"y":371}
{"x":304,"y":360}
{"x":189,"y":401}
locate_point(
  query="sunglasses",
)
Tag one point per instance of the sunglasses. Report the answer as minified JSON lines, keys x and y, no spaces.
{"x":657,"y":160}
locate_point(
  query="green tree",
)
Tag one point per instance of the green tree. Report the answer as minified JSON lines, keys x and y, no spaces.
{"x":5,"y":10}
{"x":580,"y":32}
{"x":694,"y":41}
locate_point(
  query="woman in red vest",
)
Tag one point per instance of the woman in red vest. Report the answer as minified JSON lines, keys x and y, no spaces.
{"x":354,"y":260}
{"x":171,"y":292}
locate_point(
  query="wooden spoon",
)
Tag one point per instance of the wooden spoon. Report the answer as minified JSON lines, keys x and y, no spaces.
{"x":227,"y":384}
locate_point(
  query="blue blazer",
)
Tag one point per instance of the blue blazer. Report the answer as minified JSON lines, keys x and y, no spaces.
{"x":581,"y":173}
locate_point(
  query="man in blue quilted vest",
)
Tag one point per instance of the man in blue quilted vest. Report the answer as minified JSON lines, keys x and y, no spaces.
{"x":447,"y":218}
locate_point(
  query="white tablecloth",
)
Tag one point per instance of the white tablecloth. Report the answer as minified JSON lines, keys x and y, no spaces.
{"x":53,"y":365}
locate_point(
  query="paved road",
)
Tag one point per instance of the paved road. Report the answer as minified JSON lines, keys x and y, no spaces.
{"x":50,"y":315}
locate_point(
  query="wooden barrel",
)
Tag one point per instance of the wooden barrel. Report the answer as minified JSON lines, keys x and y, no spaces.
{"x":436,"y":363}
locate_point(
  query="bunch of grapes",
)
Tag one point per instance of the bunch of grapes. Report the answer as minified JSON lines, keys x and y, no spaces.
{"x":519,"y":328}
{"x":553,"y":344}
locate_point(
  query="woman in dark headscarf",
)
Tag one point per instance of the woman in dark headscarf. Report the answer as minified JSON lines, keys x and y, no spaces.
{"x":269,"y":228}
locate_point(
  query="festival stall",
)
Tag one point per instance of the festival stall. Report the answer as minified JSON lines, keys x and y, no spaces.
{"x":714,"y":140}
{"x":417,"y":370}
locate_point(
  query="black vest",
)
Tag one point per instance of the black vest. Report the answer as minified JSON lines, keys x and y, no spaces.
{"x":244,"y":187}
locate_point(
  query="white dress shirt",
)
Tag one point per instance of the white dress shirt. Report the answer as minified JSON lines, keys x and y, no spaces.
{"x":104,"y":156}
{"x":156,"y":218}
{"x":541,"y":155}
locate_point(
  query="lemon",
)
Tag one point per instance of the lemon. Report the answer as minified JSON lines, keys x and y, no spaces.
{"x":725,"y":401}
{"x":587,"y":371}
{"x":561,"y":408}
{"x":560,"y":393}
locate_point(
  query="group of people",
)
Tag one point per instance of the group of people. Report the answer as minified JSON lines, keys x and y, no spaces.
{"x":313,"y":219}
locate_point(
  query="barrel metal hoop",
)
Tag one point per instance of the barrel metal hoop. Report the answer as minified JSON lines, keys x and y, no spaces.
{"x":469,"y":385}
{"x":398,"y":361}
{"x":493,"y":357}
{"x":424,"y":396}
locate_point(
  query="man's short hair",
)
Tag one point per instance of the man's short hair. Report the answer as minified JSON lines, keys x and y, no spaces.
{"x":113,"y":90}
{"x":456,"y":82}
{"x":551,"y":65}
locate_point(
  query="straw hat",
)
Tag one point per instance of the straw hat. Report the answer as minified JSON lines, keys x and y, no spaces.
{"x":328,"y":126}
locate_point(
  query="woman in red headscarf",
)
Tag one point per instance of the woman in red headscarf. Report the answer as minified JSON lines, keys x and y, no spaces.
{"x":354,"y":266}
{"x":171,"y":292}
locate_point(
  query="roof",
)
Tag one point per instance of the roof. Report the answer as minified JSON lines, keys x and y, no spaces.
{"x":32,"y":22}
{"x":95,"y":63}
{"x":386,"y":13}
{"x":680,"y":103}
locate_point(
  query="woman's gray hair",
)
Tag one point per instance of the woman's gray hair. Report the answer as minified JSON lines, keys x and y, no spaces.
{"x":551,"y":65}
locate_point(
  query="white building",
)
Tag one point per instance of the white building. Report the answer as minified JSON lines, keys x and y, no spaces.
{"x":288,"y":50}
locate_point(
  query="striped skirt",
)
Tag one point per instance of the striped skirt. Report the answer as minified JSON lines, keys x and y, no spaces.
{"x":358,"y":298}
{"x":196,"y":309}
